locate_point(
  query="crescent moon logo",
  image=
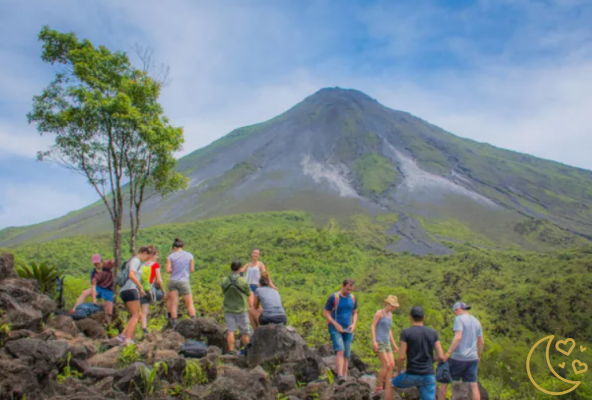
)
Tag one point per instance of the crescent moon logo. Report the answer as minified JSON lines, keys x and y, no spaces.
{"x":550,"y":339}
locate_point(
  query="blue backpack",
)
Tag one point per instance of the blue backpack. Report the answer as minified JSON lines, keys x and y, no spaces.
{"x":85,"y":310}
{"x":443,"y":373}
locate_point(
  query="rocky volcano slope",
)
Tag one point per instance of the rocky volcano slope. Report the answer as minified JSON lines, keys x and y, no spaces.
{"x":340,"y":152}
{"x":48,"y":356}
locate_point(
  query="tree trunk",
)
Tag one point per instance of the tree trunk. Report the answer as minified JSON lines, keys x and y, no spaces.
{"x":117,"y":258}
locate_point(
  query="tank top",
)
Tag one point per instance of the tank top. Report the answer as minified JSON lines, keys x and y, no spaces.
{"x":253,"y":275}
{"x":383,"y":329}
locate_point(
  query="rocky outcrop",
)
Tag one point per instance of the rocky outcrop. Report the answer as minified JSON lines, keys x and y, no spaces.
{"x":278,"y":364}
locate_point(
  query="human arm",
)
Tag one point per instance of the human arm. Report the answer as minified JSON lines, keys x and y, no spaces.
{"x":440,"y":352}
{"x":192,"y":266}
{"x":458,"y":328}
{"x":373,"y":331}
{"x":393,"y":343}
{"x":93,"y":292}
{"x":328,"y":317}
{"x":169,"y":266}
{"x":158,"y":279}
{"x":480,"y":346}
{"x":134,"y":278}
{"x":401,"y":358}
{"x":352,"y":327}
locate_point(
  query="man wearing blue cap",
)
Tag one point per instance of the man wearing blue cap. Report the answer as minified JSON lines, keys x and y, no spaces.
{"x":465,"y":351}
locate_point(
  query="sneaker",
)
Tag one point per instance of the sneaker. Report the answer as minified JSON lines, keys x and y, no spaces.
{"x":121,"y":338}
{"x":128,"y":342}
{"x":378,"y":391}
{"x":145,"y":331}
{"x":340,"y":379}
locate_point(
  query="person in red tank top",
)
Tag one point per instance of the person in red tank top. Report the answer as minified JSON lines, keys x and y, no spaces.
{"x":156,"y":291}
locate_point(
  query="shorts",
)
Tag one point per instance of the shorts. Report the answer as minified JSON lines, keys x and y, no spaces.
{"x":183,"y":287}
{"x":426,"y":384}
{"x":152,"y":295}
{"x":254,"y":288}
{"x":273,"y":320}
{"x":242,"y":320}
{"x":129,"y":295}
{"x":341,"y":341}
{"x":105,"y":294}
{"x":385,"y":347}
{"x":465,"y":370}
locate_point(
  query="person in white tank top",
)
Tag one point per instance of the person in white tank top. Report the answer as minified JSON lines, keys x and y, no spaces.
{"x":253,"y":271}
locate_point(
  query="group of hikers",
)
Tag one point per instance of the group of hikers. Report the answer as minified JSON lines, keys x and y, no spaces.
{"x":251,"y":299}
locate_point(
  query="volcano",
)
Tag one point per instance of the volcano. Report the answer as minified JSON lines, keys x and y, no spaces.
{"x":340,"y":153}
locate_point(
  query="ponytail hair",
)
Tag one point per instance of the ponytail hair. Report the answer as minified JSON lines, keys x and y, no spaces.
{"x":264,"y":280}
{"x":178,"y":243}
{"x":150,"y":250}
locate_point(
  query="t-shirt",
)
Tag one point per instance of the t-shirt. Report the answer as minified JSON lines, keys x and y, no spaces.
{"x":153,"y":269}
{"x":103,"y":278}
{"x":471,"y":330}
{"x":146,"y":270}
{"x":180,"y":263}
{"x":270,"y":301}
{"x":344,"y":311}
{"x":134,"y":264}
{"x":236,"y":292}
{"x":420,"y":349}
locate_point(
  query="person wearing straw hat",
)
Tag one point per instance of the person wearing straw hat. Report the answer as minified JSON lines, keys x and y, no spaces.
{"x":382,"y":339}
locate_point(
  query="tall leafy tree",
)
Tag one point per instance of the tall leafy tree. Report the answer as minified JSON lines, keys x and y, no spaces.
{"x":108,"y":126}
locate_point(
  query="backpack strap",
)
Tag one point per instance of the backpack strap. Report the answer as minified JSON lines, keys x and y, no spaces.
{"x":233,"y":283}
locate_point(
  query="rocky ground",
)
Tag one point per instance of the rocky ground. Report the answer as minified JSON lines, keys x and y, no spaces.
{"x":49,"y":356}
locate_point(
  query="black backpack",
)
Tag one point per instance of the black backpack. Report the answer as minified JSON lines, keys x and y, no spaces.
{"x":194,"y":349}
{"x":85,"y":310}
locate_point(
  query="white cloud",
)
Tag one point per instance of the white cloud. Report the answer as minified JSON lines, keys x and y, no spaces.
{"x":23,"y":141}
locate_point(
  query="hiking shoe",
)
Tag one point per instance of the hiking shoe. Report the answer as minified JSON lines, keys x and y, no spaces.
{"x":145,"y":332}
{"x":121,"y":338}
{"x":128,"y":342}
{"x":340,"y":379}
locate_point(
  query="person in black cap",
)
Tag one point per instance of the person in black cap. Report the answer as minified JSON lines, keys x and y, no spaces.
{"x":417,"y":345}
{"x":465,"y":350}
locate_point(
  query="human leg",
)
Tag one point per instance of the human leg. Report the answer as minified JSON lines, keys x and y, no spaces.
{"x":347,"y":342}
{"x":442,"y":391}
{"x":134,"y":309}
{"x":231,"y":324}
{"x":427,"y":388}
{"x":108,"y":311}
{"x":173,"y":302}
{"x":145,"y":310}
{"x":383,"y":373}
{"x":338,"y":347}
{"x":188,"y":299}
{"x":85,"y":293}
{"x":245,"y":329}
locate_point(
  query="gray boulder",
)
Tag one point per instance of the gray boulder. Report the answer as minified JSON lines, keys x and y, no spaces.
{"x":238,"y":384}
{"x":276,"y":344}
{"x":203,"y":329}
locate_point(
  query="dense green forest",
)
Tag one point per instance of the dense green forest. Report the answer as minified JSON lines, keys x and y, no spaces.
{"x":518,"y":296}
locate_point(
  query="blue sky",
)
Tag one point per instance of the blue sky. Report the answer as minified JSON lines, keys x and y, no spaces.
{"x":513,"y":73}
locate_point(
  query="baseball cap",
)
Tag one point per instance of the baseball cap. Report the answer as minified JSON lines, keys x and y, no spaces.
{"x":96,"y":258}
{"x":460,"y":304}
{"x":417,"y":311}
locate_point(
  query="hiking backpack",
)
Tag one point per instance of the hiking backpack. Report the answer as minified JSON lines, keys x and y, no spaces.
{"x":85,"y":310}
{"x":233,"y":283}
{"x":193,"y":349}
{"x":123,"y":274}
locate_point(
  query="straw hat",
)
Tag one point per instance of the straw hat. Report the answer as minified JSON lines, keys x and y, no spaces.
{"x":392,"y":300}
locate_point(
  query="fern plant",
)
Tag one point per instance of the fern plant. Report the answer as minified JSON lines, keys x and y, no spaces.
{"x":152,"y":377}
{"x":44,"y":274}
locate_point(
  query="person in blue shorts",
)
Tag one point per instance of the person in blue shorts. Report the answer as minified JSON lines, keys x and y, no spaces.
{"x":464,"y":353}
{"x":341,"y":313}
{"x":102,"y":282}
{"x":417,"y":346}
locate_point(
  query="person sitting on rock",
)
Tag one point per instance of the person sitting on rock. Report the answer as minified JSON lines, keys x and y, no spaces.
{"x":254,"y":269}
{"x":341,"y":313}
{"x":417,"y":345}
{"x":132,"y":290}
{"x":102,"y":282}
{"x":236,"y":292}
{"x":269,"y":299}
{"x":382,"y":338}
{"x":154,"y":288}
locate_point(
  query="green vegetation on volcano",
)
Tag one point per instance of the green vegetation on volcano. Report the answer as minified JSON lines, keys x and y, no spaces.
{"x":519,"y":296}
